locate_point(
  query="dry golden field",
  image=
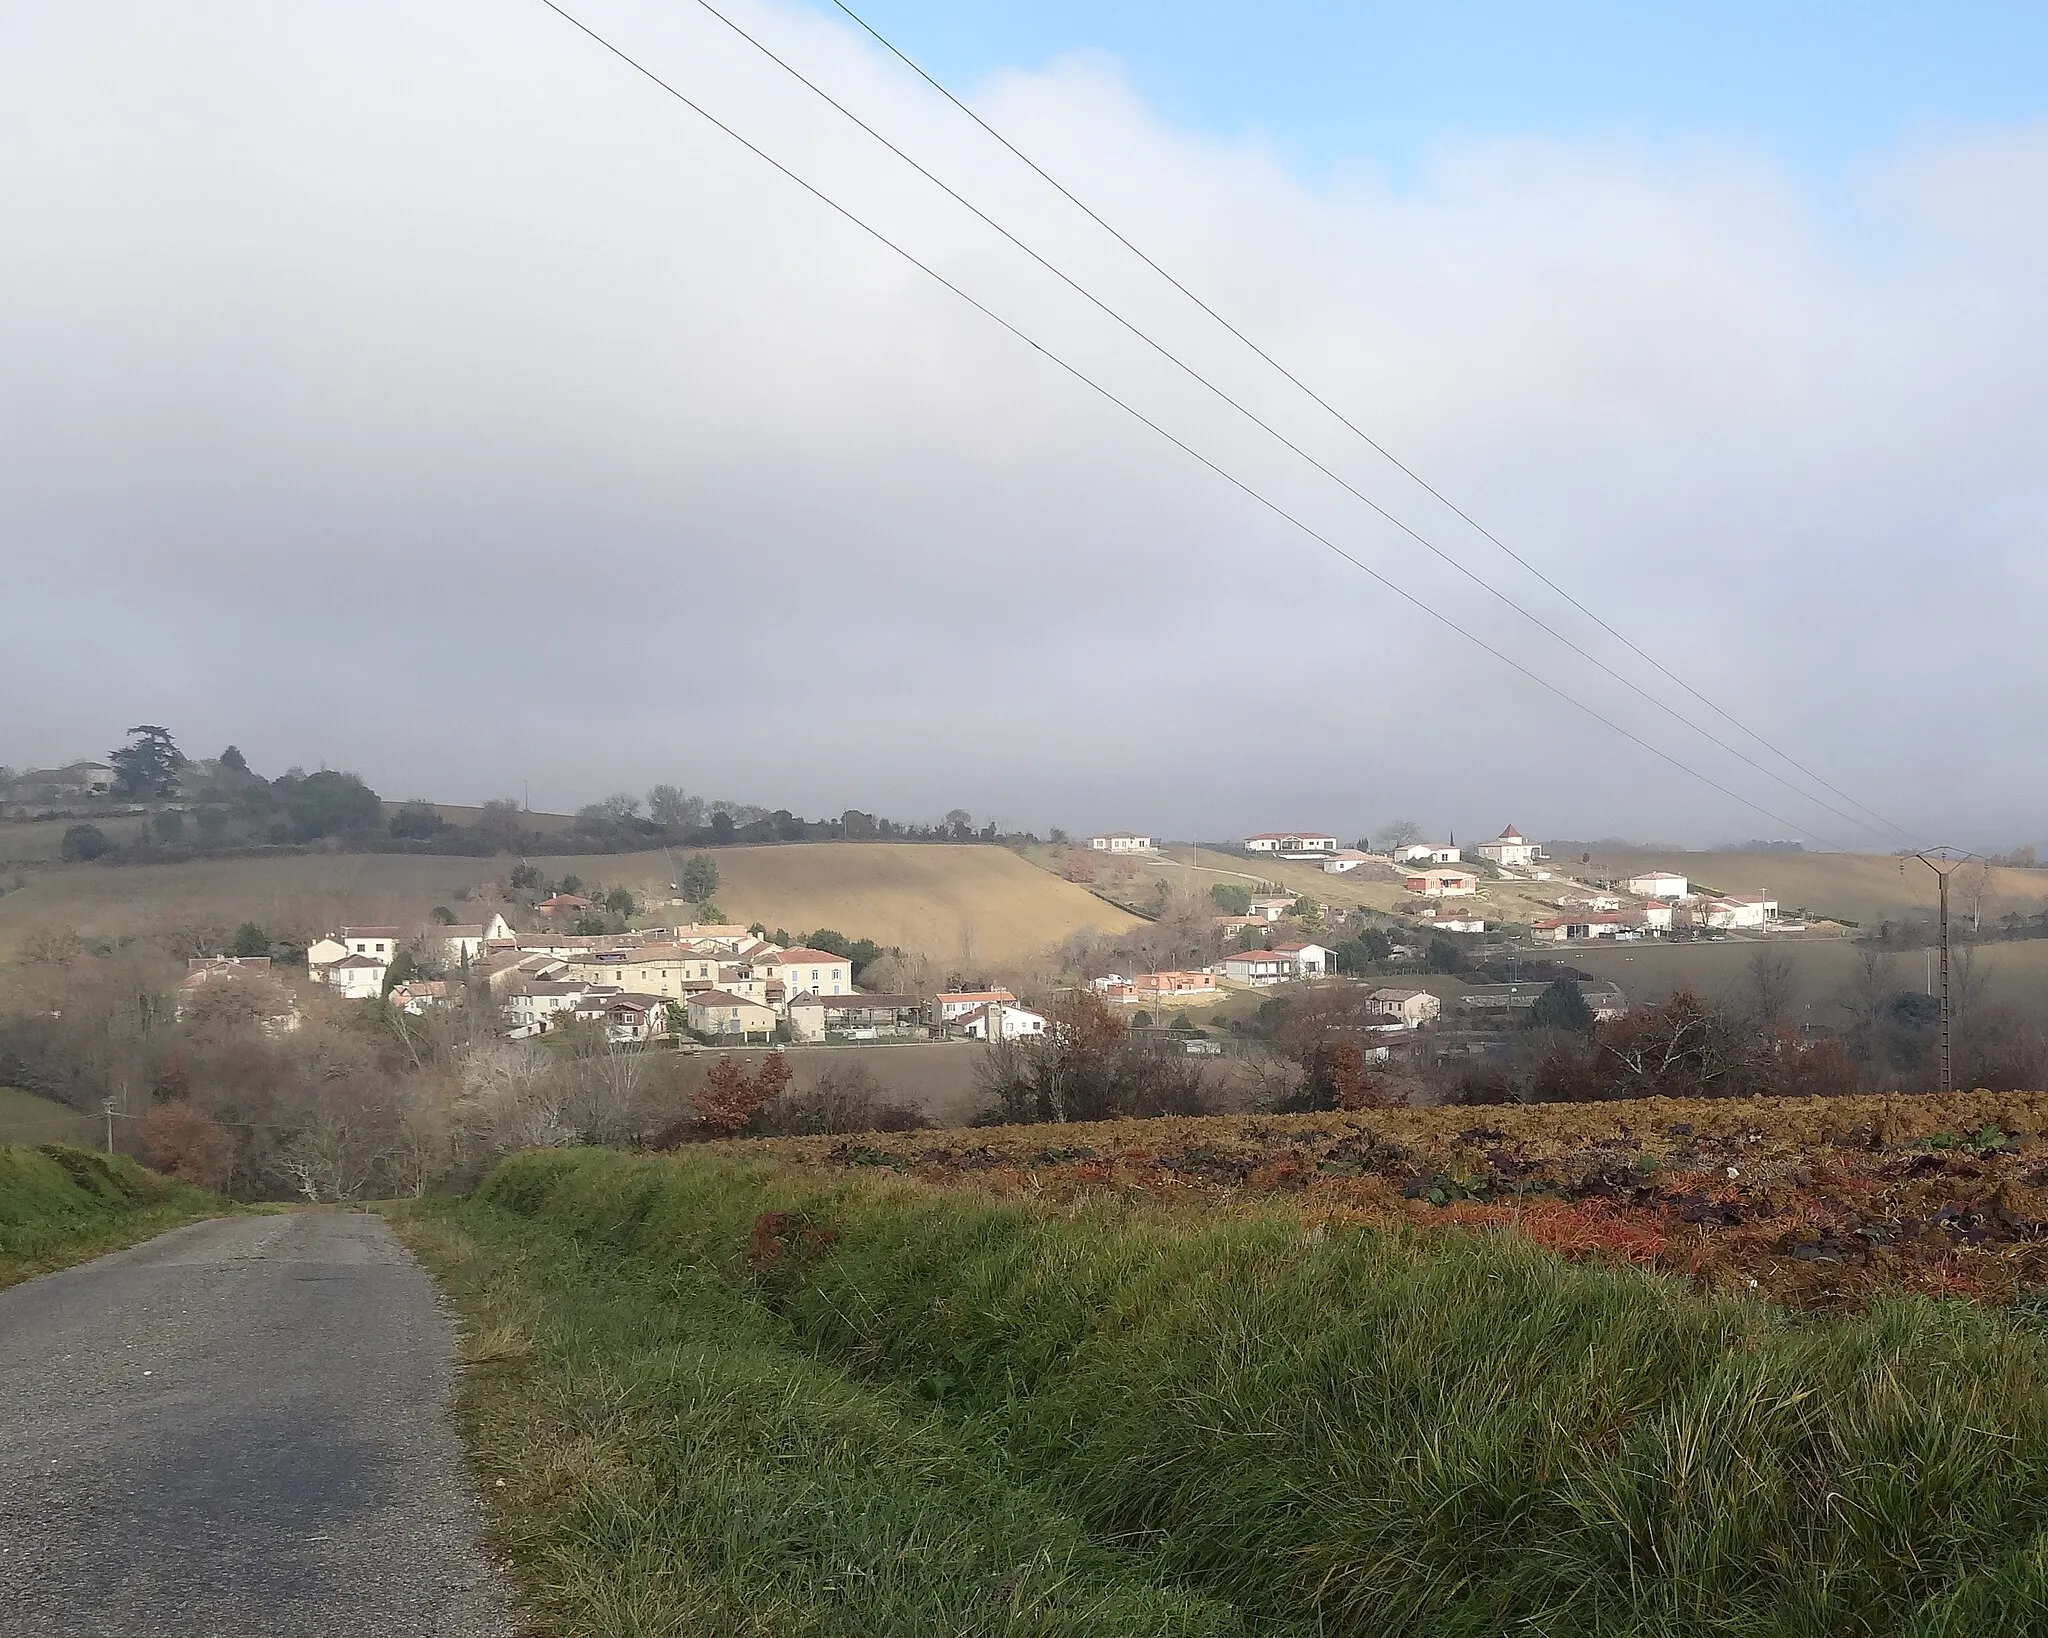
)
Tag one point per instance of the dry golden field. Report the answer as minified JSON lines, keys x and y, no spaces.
{"x":945,"y":901}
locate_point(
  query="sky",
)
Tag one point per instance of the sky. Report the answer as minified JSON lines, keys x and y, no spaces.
{"x":423,"y":391}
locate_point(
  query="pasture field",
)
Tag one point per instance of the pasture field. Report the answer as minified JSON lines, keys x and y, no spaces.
{"x":61,"y":1205}
{"x":27,"y":1120}
{"x":36,"y":841}
{"x":745,"y":1391}
{"x":949,"y":902}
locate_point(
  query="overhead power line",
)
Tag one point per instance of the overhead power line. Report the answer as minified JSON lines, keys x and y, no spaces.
{"x":1279,"y":511}
{"x":1371,"y":442}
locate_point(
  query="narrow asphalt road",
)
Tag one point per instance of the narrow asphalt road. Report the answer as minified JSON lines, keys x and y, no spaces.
{"x":239,"y":1428}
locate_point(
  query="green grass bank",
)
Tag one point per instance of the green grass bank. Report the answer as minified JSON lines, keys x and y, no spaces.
{"x":61,"y":1205}
{"x":1289,"y":1430}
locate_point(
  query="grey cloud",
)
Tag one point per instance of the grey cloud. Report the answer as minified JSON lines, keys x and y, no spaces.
{"x":351,"y":340}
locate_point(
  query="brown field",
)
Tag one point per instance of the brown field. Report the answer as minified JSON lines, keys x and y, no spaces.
{"x":1815,"y":1202}
{"x":976,"y":903}
{"x":946,"y":901}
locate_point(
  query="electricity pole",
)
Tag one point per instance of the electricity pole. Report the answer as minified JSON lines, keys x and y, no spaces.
{"x":1944,"y":862}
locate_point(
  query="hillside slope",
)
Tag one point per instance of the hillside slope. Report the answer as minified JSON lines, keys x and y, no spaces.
{"x":1863,"y":887}
{"x":946,"y":901}
{"x":979,"y":903}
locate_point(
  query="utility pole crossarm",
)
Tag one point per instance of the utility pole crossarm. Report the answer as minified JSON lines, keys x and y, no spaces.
{"x":1945,"y":862}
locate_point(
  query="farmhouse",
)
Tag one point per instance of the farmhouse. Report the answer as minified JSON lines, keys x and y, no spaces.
{"x":1657,"y":884}
{"x":718,"y":1014}
{"x":1409,"y":1008}
{"x":999,"y":1020}
{"x":1289,"y":844}
{"x":357,"y":977}
{"x":1121,"y":841}
{"x":1510,"y":848}
{"x":1281,"y":965}
{"x":856,"y":1017}
{"x":1738,"y":910}
{"x":1441,"y":853}
{"x":1586,"y":925}
{"x":1442,"y":883}
{"x":958,"y":1003}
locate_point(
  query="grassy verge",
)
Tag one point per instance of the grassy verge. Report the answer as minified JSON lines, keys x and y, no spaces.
{"x":662,"y":1458}
{"x":1330,"y":1430}
{"x":60,"y":1205}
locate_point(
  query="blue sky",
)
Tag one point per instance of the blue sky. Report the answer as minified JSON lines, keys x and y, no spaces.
{"x":1816,"y":85}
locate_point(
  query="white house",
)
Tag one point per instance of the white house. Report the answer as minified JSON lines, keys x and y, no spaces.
{"x":1272,"y":909}
{"x":1410,"y":1008}
{"x":357,"y":977}
{"x":1260,"y":968}
{"x":1121,"y":841}
{"x":958,"y":1003}
{"x":534,"y":1009}
{"x":1442,"y":853}
{"x":1657,"y":884}
{"x":1444,"y":883}
{"x":1290,"y":843}
{"x":1313,"y":960}
{"x":804,"y":971}
{"x":1452,"y":921}
{"x":1738,"y":910}
{"x":461,"y":944}
{"x":1656,"y":915}
{"x":1345,"y":859}
{"x":1511,"y":848}
{"x":1002,"y":1020}
{"x":380,"y":943}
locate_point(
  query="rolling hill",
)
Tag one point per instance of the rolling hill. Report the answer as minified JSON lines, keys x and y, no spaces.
{"x":945,"y":901}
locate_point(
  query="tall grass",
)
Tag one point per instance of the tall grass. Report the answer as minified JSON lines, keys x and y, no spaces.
{"x":1428,"y":1435}
{"x":60,"y":1205}
{"x":663,"y":1460}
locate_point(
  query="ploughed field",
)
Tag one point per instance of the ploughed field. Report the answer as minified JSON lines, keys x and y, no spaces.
{"x":1819,"y":1203}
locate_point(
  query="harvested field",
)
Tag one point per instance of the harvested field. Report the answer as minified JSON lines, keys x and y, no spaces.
{"x":948,"y":902}
{"x":1817,"y":1203}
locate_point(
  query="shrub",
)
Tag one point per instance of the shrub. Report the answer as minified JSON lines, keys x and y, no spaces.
{"x":82,"y":842}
